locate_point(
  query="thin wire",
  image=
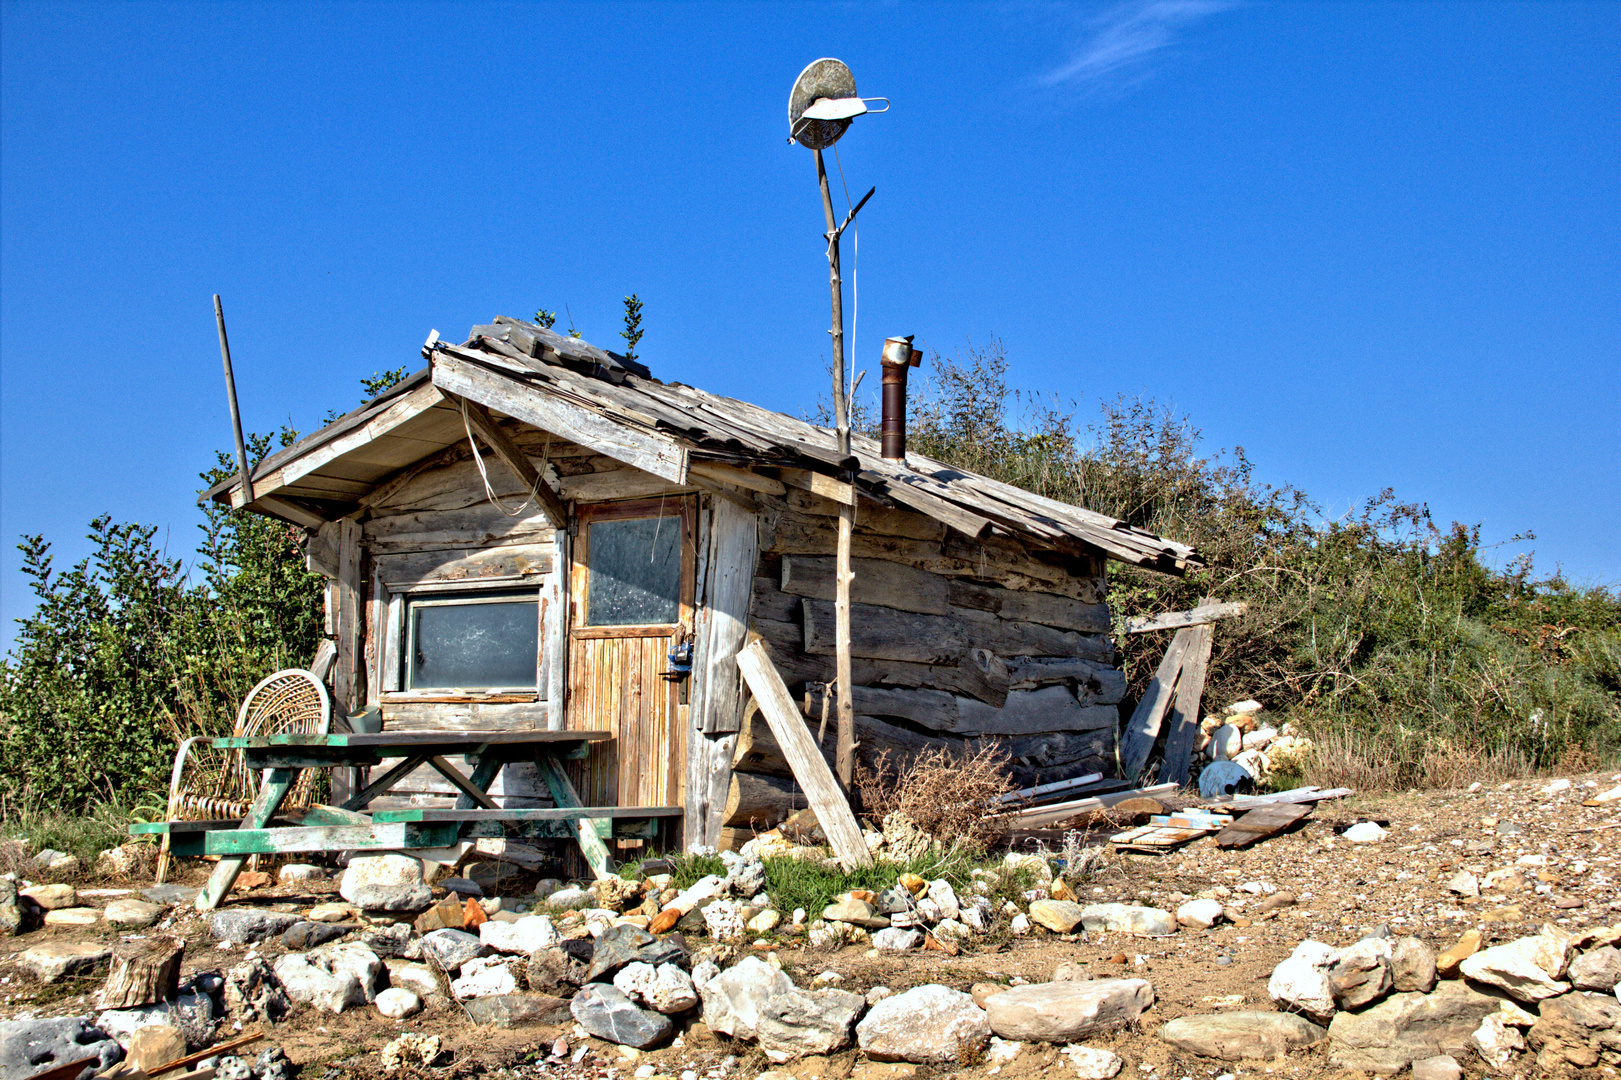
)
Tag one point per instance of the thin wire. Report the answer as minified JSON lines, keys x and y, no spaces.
{"x":855,"y":287}
{"x":478,"y":459}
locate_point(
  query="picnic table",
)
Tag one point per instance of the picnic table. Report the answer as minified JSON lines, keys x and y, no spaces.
{"x":352,"y":827}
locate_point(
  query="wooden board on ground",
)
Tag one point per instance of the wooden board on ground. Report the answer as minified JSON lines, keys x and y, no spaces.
{"x":1155,"y":838}
{"x":1039,"y":816}
{"x":1261,"y":823}
{"x":1294,"y":795}
{"x":1184,"y":718}
{"x":1143,"y":727}
{"x":821,"y":789}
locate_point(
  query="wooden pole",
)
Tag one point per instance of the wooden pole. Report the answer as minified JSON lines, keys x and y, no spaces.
{"x":230,"y":394}
{"x":845,"y":747}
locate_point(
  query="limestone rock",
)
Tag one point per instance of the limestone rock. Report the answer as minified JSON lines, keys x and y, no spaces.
{"x":516,"y":1010}
{"x":734,"y":998}
{"x":73,"y":916}
{"x":1199,"y":914}
{"x":856,"y":912}
{"x":1519,"y":967}
{"x":1599,"y":969}
{"x":309,"y":983}
{"x":1065,"y":1012}
{"x":665,"y":989}
{"x":50,"y":961}
{"x":191,"y":1012}
{"x":332,"y":913}
{"x":420,"y":979}
{"x":1127,"y":918}
{"x":296,"y":873}
{"x":1234,"y":1036}
{"x":1412,"y":966}
{"x":1403,"y":1028}
{"x":1440,"y":1067}
{"x":1361,"y":974}
{"x":801,"y":1022}
{"x":1496,"y":1041}
{"x":926,"y":1025}
{"x":1059,"y":916}
{"x":53,"y":897}
{"x":1094,"y":1063}
{"x":28,"y":1047}
{"x":393,"y":940}
{"x":241,"y":926}
{"x":608,"y":1014}
{"x":529,"y":934}
{"x":895,"y":939}
{"x":453,"y":948}
{"x":1301,"y":981}
{"x":1451,"y":959}
{"x":397,"y":1003}
{"x":556,"y":971}
{"x":11,"y":914}
{"x":1464,"y":884}
{"x":307,"y":935}
{"x":131,"y":914}
{"x":385,"y":883}
{"x":253,"y":993}
{"x":485,"y":977}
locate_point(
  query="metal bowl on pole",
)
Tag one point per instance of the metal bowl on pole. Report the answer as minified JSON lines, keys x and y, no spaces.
{"x":820,"y":109}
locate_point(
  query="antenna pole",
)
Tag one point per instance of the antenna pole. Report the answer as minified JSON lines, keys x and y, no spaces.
{"x":844,"y":756}
{"x":230,"y":395}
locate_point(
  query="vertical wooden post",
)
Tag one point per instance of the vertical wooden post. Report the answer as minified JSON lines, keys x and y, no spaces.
{"x":348,"y":617}
{"x":844,"y":756}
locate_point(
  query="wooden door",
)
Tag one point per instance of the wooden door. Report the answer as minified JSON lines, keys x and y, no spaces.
{"x":630,"y":590}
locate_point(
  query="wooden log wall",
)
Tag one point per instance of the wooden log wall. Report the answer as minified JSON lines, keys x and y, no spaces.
{"x":955,"y":641}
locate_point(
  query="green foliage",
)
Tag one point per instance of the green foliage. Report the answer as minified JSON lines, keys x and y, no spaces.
{"x":85,"y":832}
{"x":545,"y":319}
{"x":1380,"y":623}
{"x":126,"y":651}
{"x":382,"y":380}
{"x":632,"y":333}
{"x":807,"y":883}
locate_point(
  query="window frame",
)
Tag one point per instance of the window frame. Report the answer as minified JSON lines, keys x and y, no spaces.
{"x":432,"y":596}
{"x":676,"y":509}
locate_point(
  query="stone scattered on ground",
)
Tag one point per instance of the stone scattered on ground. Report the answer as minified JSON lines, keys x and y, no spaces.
{"x":242,"y":926}
{"x":397,"y":1003}
{"x":132,"y":914}
{"x":154,"y":1045}
{"x":608,"y":1014}
{"x":927,"y":1025}
{"x":1065,"y":1012}
{"x":385,"y":883}
{"x":51,"y":961}
{"x":1234,"y":1036}
{"x":28,"y":1047}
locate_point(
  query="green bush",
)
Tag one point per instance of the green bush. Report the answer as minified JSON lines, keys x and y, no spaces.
{"x":1380,"y":627}
{"x":126,"y":652}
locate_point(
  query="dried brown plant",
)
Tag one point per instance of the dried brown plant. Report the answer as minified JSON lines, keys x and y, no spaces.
{"x":949,"y":794}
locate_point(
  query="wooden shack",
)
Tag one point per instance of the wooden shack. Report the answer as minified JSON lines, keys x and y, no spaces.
{"x":533,"y":532}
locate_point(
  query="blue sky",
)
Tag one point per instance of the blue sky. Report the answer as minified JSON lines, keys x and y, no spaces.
{"x":1375,"y":244}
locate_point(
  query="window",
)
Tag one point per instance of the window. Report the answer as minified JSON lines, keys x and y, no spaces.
{"x":472,"y":641}
{"x":635,"y":572}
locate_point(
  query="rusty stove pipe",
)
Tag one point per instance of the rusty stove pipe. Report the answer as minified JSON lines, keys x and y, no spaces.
{"x":897,"y":357}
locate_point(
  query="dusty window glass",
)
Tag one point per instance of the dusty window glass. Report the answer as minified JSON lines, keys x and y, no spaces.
{"x":472,"y":642}
{"x":635,"y":572}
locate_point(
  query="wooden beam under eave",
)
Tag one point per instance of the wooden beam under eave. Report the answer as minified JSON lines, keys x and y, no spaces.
{"x":485,"y":427}
{"x":287,"y":510}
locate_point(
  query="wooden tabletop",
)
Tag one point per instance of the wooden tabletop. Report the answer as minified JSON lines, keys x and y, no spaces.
{"x":400,"y":743}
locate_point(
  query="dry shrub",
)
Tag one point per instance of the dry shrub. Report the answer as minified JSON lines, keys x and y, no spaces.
{"x":949,"y":794}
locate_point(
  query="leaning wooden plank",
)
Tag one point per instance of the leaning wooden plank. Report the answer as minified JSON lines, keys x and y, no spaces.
{"x":1298,"y":795}
{"x":1143,"y":727}
{"x":1175,"y":620}
{"x":1036,"y":817}
{"x":1185,"y":712}
{"x":826,"y":798}
{"x":1262,"y":822}
{"x":646,"y":450}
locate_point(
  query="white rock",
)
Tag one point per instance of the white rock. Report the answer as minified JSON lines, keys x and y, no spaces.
{"x":927,"y":1025}
{"x":420,"y":979}
{"x":293,"y":873}
{"x":1200,"y":914}
{"x":486,"y":976}
{"x":1524,"y":968}
{"x":1364,"y":832}
{"x":1244,"y":708}
{"x":894,"y":939}
{"x":529,"y":934}
{"x":1094,"y":1063}
{"x":1260,"y":738}
{"x":311,"y":984}
{"x":386,"y":883}
{"x":1301,"y":981}
{"x":1019,"y":924}
{"x":1226,"y":742}
{"x":733,"y":999}
{"x":1001,"y":1052}
{"x":1497,"y":1041}
{"x":666,"y":988}
{"x":941,"y":892}
{"x":397,"y":1003}
{"x":724,"y":920}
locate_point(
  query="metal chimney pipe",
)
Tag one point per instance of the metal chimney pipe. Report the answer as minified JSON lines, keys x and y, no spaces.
{"x":898,"y":355}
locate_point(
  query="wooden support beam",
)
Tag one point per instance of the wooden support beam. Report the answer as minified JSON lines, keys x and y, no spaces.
{"x":1185,"y":712}
{"x":1175,"y":620}
{"x":730,"y":474}
{"x":485,"y":428}
{"x":288,"y":510}
{"x":821,"y":789}
{"x":820,"y":484}
{"x":347,"y":618}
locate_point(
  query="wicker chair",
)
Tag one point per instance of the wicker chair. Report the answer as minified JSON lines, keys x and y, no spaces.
{"x":207,"y":783}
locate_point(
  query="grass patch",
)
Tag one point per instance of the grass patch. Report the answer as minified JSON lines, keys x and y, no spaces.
{"x":85,"y":833}
{"x":804,"y":883}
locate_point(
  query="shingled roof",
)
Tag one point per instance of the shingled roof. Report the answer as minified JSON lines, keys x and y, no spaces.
{"x":614,"y":405}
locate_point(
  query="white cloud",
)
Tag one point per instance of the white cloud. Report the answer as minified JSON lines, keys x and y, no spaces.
{"x":1125,"y":37}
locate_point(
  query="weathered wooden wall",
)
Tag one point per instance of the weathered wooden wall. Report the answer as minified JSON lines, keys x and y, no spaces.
{"x":953,"y":640}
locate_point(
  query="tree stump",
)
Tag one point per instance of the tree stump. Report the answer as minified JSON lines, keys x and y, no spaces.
{"x":143,"y":973}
